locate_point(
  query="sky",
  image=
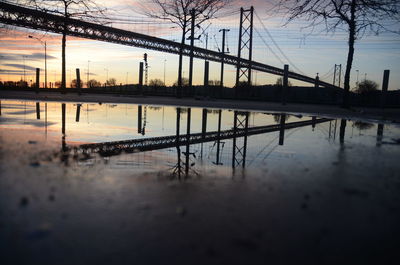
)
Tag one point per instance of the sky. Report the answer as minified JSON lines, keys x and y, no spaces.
{"x":274,"y":43}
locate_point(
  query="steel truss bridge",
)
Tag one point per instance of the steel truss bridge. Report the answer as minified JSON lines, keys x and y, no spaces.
{"x":156,"y":143}
{"x":38,"y":20}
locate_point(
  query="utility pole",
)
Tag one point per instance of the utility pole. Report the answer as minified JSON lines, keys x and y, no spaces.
{"x":146,"y":69}
{"x":223,"y":53}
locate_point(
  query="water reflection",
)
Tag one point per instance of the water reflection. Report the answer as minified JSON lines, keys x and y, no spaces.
{"x":182,"y":141}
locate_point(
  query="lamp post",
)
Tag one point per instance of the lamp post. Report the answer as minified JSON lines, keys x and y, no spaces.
{"x":23,"y":58}
{"x":45,"y":58}
{"x":87,"y":78}
{"x":358,"y":72}
{"x":106,"y":74}
{"x":165,"y":61}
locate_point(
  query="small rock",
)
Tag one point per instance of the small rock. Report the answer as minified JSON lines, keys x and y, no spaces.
{"x":23,"y":202}
{"x":32,"y":142}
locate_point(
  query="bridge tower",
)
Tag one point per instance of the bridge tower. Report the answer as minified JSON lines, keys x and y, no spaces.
{"x":337,"y":75}
{"x":245,"y":47}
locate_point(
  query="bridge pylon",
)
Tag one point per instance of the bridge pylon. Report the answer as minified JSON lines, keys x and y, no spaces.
{"x":239,"y":148}
{"x":245,"y":47}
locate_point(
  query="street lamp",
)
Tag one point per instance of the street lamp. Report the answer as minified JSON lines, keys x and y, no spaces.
{"x":45,"y":58}
{"x":358,"y":72}
{"x":23,"y":58}
{"x":165,"y":61}
{"x":87,"y":78}
{"x":106,"y":74}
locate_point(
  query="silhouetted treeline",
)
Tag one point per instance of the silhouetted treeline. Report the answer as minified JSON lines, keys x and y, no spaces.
{"x":271,"y":93}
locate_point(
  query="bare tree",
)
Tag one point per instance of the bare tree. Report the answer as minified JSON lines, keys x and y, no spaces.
{"x":366,"y":86}
{"x":179,"y":13}
{"x":156,"y":82}
{"x":357,"y":17}
{"x":111,"y":82}
{"x":93,"y":83}
{"x":79,"y":9}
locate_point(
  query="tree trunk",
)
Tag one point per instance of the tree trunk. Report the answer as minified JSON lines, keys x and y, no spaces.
{"x":179,"y":90}
{"x":350,"y":55}
{"x":64,"y":42}
{"x":63,"y":72}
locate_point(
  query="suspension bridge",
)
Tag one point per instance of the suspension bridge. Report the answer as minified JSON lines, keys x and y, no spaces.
{"x":38,"y":20}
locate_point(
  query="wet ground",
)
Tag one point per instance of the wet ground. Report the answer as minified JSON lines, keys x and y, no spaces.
{"x":322,"y":192}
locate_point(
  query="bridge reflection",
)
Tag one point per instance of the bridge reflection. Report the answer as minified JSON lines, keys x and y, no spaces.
{"x":185,"y":158}
{"x":184,"y":143}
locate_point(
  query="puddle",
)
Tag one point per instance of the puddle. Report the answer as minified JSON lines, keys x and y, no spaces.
{"x":125,"y":169}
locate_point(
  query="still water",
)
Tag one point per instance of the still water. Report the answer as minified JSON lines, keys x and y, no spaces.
{"x":128,"y":167}
{"x":40,"y":124}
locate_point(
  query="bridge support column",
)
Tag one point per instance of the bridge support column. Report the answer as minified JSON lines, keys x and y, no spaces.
{"x":282,"y":129}
{"x":316,"y":85}
{"x":385,"y":85}
{"x":285,"y":83}
{"x":78,"y":112}
{"x":37,"y":85}
{"x":141,"y":78}
{"x":139,"y":130}
{"x":204,"y":124}
{"x":38,"y":110}
{"x":78,"y":79}
{"x":206,"y":78}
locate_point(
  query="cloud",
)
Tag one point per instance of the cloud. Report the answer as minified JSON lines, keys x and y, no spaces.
{"x":20,"y":66}
{"x":33,"y":56}
{"x":15,"y":72}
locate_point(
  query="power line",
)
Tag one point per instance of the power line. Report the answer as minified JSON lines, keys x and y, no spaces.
{"x":277,"y":46}
{"x":266,"y":44}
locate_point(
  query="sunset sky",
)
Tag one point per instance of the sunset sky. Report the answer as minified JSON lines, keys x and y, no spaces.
{"x":311,"y":53}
